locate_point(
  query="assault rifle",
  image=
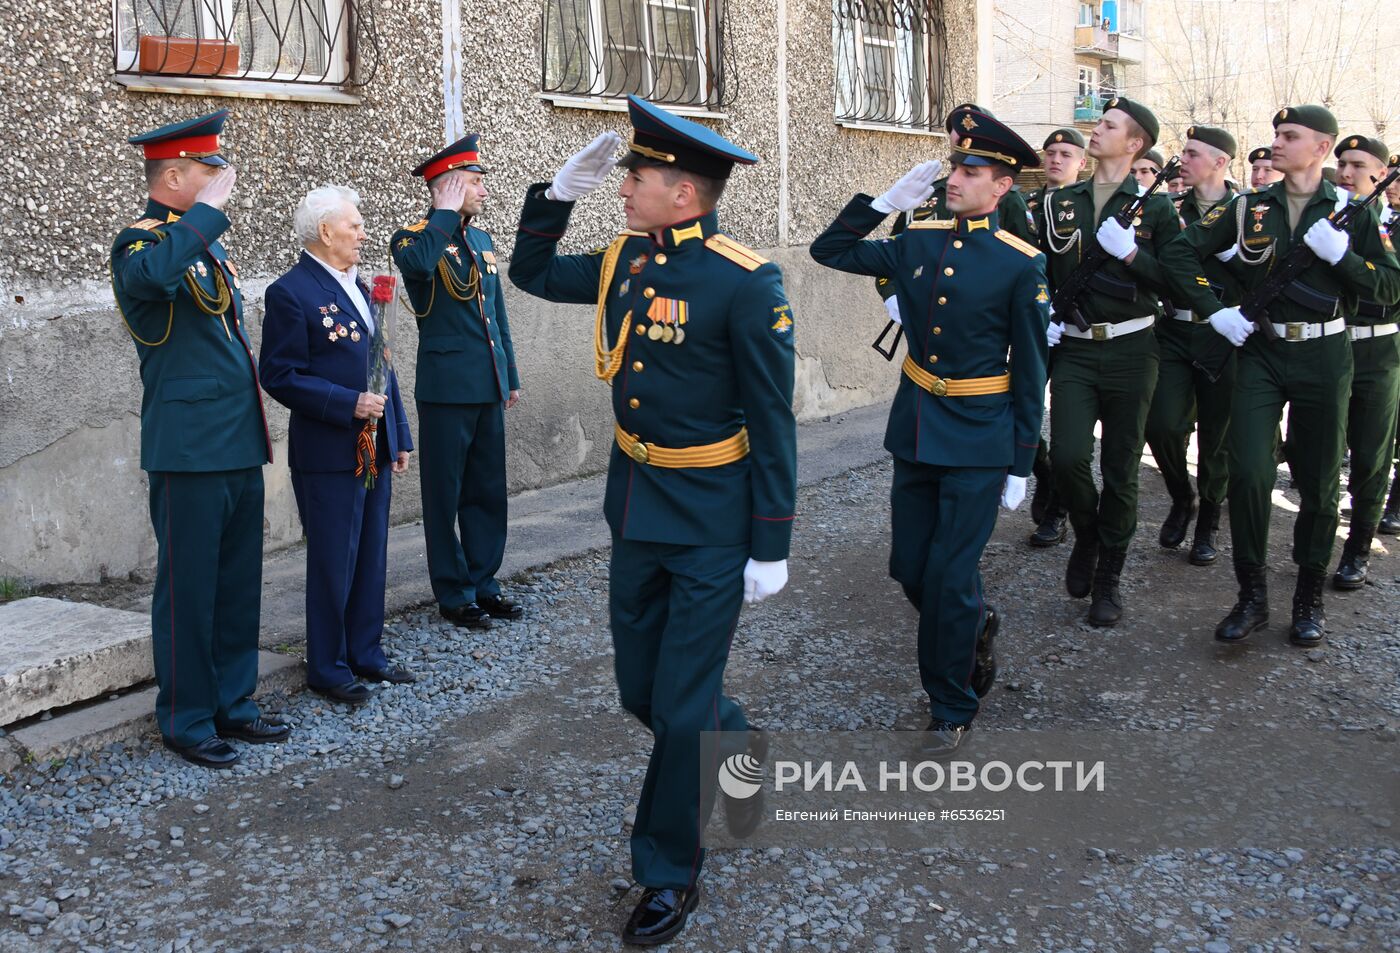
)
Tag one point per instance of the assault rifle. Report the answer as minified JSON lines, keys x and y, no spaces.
{"x":1066,"y":302}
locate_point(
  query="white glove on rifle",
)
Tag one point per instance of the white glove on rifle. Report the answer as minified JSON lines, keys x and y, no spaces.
{"x":1232,"y":324}
{"x":911,"y":191}
{"x":892,"y":309}
{"x":586,"y":169}
{"x":762,"y":580}
{"x":1228,"y":253}
{"x":1118,"y":240}
{"x":1327,"y":243}
{"x":1053,"y":332}
{"x":1014,"y":492}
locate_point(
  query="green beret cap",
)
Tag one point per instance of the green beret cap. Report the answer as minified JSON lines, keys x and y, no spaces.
{"x":1072,"y":136}
{"x":1155,"y":158}
{"x":1365,"y":144}
{"x":1214,"y":136}
{"x":1263,"y":152}
{"x":1316,"y":118}
{"x":1140,"y":113}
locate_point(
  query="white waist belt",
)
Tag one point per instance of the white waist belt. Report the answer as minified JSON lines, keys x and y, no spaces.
{"x":1298,"y":331}
{"x":1372,"y":331}
{"x":1189,"y":316}
{"x":1107,"y":332}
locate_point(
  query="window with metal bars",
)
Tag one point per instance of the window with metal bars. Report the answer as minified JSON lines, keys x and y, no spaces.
{"x":316,"y":42}
{"x":666,"y":51}
{"x":891,"y":60}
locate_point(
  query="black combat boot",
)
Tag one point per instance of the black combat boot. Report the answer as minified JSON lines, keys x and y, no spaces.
{"x":984,"y":666}
{"x":1174,"y":528}
{"x":1251,"y":611}
{"x":1203,"y":548}
{"x":1053,"y":527}
{"x":1079,"y":573}
{"x":1040,"y":499}
{"x":1390,"y":519}
{"x":1356,"y":553}
{"x":1309,"y":621}
{"x":1107,"y":607}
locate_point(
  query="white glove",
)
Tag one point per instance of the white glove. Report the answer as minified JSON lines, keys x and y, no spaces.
{"x":586,"y":169}
{"x":1232,"y":324}
{"x":1053,"y":332}
{"x":1327,"y":243}
{"x":762,"y":580}
{"x":892,"y":309}
{"x":1228,"y":253}
{"x":1118,"y":240}
{"x":1014,"y":492}
{"x":911,"y":191}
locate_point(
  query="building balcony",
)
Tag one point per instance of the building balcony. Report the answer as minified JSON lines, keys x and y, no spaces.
{"x":1098,"y":43}
{"x":1089,"y":108}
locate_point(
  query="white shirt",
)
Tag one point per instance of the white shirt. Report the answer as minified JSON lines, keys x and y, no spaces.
{"x":351,"y":287}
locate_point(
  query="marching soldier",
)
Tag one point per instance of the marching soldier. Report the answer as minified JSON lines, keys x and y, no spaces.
{"x":1375,"y":384}
{"x":204,"y":441}
{"x":1065,"y":159}
{"x":1185,"y":398}
{"x":1145,"y":169}
{"x":1390,"y":519}
{"x":1309,"y":366}
{"x":965,"y":420}
{"x":1105,"y":374}
{"x":694,"y":334}
{"x":467,"y":379}
{"x":1262,"y":173}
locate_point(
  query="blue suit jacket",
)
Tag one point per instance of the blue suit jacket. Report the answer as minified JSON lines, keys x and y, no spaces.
{"x":318,"y":379}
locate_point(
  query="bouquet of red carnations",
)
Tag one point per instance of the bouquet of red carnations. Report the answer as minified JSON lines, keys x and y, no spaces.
{"x":382,"y":305}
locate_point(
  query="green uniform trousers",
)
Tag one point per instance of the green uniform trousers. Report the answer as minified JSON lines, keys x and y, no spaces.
{"x":1371,"y":424}
{"x":462,"y":472}
{"x":1112,"y":382}
{"x":1313,"y":378}
{"x":206,"y":600}
{"x":673,"y":611}
{"x":941,"y":519}
{"x":1185,"y":399}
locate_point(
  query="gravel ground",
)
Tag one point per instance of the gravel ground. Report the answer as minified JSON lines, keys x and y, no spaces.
{"x":486,"y":807}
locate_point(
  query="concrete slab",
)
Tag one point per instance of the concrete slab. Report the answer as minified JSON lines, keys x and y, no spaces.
{"x":55,"y":653}
{"x":128,"y":717}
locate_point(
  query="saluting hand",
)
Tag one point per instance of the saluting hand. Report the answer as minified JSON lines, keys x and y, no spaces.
{"x":586,"y":169}
{"x":911,"y":191}
{"x":216,"y":191}
{"x":449,"y":192}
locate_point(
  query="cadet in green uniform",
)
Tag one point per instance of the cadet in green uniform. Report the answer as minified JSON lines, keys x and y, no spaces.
{"x":203,"y":443}
{"x":694,"y":333}
{"x":1309,"y":368}
{"x":1185,"y":398}
{"x":1262,"y":173}
{"x":1145,"y":169}
{"x":1375,"y":385}
{"x":1065,"y":159}
{"x":466,"y":380}
{"x":1390,"y":519}
{"x":1105,"y":374}
{"x":966,"y":419}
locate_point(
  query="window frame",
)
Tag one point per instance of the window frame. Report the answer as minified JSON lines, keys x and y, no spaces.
{"x":906,"y":44}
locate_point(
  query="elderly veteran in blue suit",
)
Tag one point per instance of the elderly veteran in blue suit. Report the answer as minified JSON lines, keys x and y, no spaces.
{"x":694,"y":334}
{"x":316,"y":360}
{"x":965,"y":421}
{"x":203,"y":444}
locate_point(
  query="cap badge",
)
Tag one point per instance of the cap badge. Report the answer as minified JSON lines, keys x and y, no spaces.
{"x":969,"y":123}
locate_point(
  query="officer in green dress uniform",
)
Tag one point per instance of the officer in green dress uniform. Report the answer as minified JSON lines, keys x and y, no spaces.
{"x":1107,"y":373}
{"x":1185,"y":398}
{"x":1309,"y":367}
{"x":466,"y":381}
{"x":1262,"y":173}
{"x":1065,"y":159}
{"x":203,"y":443}
{"x":966,"y":418}
{"x":1375,"y":385}
{"x":694,"y":334}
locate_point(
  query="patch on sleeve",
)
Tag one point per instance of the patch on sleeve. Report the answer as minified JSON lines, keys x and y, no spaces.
{"x":1044,"y":296}
{"x":1213,"y":215}
{"x":405,"y":242}
{"x":782,"y":320}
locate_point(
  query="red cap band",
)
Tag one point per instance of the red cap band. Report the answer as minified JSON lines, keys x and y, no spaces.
{"x":451,"y":162}
{"x":177,"y":148}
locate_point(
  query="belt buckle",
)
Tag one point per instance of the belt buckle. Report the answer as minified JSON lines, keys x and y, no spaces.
{"x":939,"y":388}
{"x":1100,"y":332}
{"x":639,"y":452}
{"x":1294,"y":331}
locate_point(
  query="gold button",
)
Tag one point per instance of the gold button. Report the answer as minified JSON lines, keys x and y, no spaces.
{"x":649,"y":293}
{"x":661,"y":258}
{"x":634,"y":403}
{"x":942,"y":300}
{"x":937,"y":330}
{"x":641,"y":330}
{"x":957,"y":243}
{"x":933,"y":358}
{"x":947,"y":271}
{"x":637,"y":365}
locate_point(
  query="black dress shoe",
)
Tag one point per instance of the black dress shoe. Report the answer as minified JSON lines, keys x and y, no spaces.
{"x":212,"y":752}
{"x":941,"y":738}
{"x":352,"y":693}
{"x":393,"y":674}
{"x":659,"y":916}
{"x":1173,"y":532}
{"x":470,"y":615}
{"x":984,"y":666}
{"x":1083,"y":558}
{"x":743,"y":814}
{"x":1051,"y":532}
{"x":501,"y":607}
{"x":259,"y":731}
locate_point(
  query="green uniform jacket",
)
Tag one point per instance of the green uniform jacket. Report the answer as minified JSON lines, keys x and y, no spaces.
{"x":734,"y":369}
{"x":968,"y":292}
{"x":1370,"y":311}
{"x":201,"y":410}
{"x":1011,"y":211}
{"x":1256,"y":224}
{"x":1223,"y":281}
{"x":1122,"y":292}
{"x":465,"y":355}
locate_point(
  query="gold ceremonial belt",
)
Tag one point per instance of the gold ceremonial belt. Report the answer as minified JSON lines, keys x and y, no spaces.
{"x":709,"y":455}
{"x":942,"y":387}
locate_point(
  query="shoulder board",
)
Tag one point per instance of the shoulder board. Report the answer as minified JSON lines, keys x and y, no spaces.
{"x":741,"y":255}
{"x":148,"y":224}
{"x":1020,"y":244}
{"x":417,"y":226}
{"x":631,"y":233}
{"x":934,"y":223}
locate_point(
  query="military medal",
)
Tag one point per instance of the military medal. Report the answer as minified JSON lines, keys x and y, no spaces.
{"x":680,"y":336}
{"x":355,"y":336}
{"x":636,"y":265}
{"x":1259,"y":211}
{"x":654,"y":332}
{"x":490,"y":258}
{"x":333,"y":337}
{"x":452,"y":250}
{"x":340,"y":331}
{"x":203,"y":272}
{"x":334,"y":309}
{"x":668,"y":334}
{"x":327,"y":321}
{"x":233,"y":270}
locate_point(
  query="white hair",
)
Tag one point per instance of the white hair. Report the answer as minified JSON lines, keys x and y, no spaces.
{"x":318,"y":207}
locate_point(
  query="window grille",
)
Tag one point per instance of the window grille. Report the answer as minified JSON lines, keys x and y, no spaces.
{"x":891,"y":61}
{"x":666,"y":51}
{"x":321,"y":42}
